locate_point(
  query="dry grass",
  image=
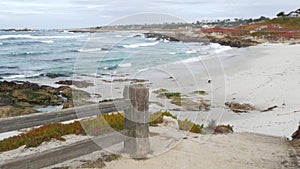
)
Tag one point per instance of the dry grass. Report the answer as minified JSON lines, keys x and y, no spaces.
{"x":200,"y":92}
{"x":239,"y":107}
{"x":100,"y":163}
{"x":185,"y":125}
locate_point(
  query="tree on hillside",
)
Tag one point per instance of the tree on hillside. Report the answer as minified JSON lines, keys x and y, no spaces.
{"x":280,"y":14}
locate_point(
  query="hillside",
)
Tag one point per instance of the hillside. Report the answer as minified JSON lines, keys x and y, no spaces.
{"x":274,"y":29}
{"x":277,"y":27}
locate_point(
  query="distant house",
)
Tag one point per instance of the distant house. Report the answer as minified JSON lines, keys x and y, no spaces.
{"x":294,"y":14}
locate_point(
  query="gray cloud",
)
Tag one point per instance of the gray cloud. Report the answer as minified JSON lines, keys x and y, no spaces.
{"x":188,"y":2}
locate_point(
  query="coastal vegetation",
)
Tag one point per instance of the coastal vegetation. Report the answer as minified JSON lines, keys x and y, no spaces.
{"x":36,"y":137}
{"x":106,"y":100}
{"x":103,"y":124}
{"x":100,"y":162}
{"x":285,"y":21}
{"x":175,"y":97}
{"x":240,"y":107}
{"x":200,"y":92}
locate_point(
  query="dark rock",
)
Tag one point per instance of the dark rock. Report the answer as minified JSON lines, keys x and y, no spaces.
{"x":232,"y":41}
{"x":25,"y":93}
{"x":159,"y":36}
{"x":269,"y":108}
{"x":79,"y":84}
{"x":73,"y":95}
{"x":296,"y":134}
{"x":18,"y":30}
{"x":64,"y":82}
{"x":5,"y":100}
{"x":54,"y":75}
{"x":9,"y":111}
{"x":223,"y":129}
{"x":20,"y":97}
{"x":204,"y":106}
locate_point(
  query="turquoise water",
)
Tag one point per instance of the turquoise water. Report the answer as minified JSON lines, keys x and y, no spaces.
{"x":27,"y":55}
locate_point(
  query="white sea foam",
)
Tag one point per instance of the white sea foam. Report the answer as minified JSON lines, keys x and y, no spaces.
{"x":20,"y":76}
{"x":15,"y":36}
{"x":47,"y":41}
{"x":140,"y":45}
{"x":190,"y":60}
{"x":151,"y":39}
{"x":30,"y":53}
{"x":27,"y":36}
{"x":1,"y":43}
{"x":191,"y":52}
{"x":134,"y":35}
{"x":125,"y":65}
{"x":90,"y":50}
{"x":219,"y":48}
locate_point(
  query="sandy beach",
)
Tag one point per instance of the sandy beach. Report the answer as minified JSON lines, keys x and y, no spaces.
{"x":263,"y":75}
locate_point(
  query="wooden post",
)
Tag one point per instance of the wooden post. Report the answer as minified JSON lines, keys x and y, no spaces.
{"x":136,"y":121}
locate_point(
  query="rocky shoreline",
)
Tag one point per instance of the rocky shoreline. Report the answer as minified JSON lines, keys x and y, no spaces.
{"x":190,"y":36}
{"x":232,"y":41}
{"x":20,"y":98}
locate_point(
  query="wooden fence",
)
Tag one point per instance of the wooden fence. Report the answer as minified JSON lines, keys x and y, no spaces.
{"x":134,"y":135}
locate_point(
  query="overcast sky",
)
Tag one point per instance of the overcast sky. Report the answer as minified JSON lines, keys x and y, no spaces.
{"x":86,"y":13}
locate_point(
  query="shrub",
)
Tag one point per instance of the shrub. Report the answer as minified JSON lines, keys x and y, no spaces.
{"x":39,"y":135}
{"x":170,"y":95}
{"x":157,"y":118}
{"x":187,"y":125}
{"x":201,"y":92}
{"x":285,"y":21}
{"x":175,"y":96}
{"x":159,"y":91}
{"x":177,"y":101}
{"x":104,"y":124}
{"x":106,"y":100}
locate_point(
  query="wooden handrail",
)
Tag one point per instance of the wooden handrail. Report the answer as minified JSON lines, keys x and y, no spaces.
{"x":32,"y":120}
{"x":64,"y":153}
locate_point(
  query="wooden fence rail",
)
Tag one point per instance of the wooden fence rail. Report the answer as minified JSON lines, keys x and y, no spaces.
{"x":135,"y":133}
{"x":64,"y":153}
{"x":26,"y":121}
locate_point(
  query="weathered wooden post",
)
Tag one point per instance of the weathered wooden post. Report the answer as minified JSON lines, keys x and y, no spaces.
{"x":136,"y":121}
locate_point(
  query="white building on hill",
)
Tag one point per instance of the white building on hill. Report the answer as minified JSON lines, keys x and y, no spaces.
{"x":294,"y":14}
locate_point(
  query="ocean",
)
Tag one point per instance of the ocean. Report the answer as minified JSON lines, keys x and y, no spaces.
{"x":45,"y":54}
